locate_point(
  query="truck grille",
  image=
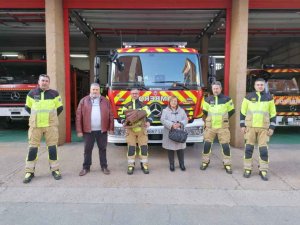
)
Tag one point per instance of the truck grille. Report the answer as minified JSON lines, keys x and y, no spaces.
{"x":13,"y":96}
{"x":287,"y":108}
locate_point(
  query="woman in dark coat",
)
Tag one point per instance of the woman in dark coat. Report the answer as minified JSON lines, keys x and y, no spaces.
{"x":174,"y":117}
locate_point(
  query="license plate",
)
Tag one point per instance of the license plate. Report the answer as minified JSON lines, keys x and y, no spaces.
{"x":15,"y":110}
{"x":154,"y":131}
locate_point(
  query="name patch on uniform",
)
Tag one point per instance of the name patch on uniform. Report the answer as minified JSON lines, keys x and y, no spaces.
{"x":36,"y":97}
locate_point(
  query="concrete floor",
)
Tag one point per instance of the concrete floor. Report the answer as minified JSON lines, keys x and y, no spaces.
{"x":162,"y":197}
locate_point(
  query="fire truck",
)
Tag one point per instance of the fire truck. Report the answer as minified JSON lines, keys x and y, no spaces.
{"x":17,"y":78}
{"x":283,"y":82}
{"x":158,"y":70}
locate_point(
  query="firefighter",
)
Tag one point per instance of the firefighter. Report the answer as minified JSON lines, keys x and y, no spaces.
{"x":44,"y":105}
{"x":257,"y":121}
{"x":217,"y":110}
{"x":136,"y":135}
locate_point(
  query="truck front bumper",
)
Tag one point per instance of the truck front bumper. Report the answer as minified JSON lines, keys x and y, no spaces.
{"x":194,"y":129}
{"x":14,"y":113}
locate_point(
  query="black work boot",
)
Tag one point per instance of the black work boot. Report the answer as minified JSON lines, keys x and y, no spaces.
{"x":228,"y":169}
{"x":247,"y":173}
{"x":130,"y":170}
{"x":28,"y":177}
{"x":264,"y":175}
{"x":56,"y":174}
{"x":145,"y":169}
{"x":204,"y":165}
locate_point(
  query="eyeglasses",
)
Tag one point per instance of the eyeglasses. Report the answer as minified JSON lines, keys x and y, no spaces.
{"x":134,"y":93}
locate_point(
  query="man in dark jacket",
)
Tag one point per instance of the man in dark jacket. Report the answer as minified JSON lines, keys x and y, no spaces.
{"x":94,"y":118}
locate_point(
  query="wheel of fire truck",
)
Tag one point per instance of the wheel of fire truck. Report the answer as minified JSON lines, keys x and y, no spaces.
{"x":190,"y":144}
{"x":6,"y":123}
{"x":120,"y":144}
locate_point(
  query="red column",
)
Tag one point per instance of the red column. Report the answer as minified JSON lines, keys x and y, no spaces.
{"x":68,"y":76}
{"x":227,"y":50}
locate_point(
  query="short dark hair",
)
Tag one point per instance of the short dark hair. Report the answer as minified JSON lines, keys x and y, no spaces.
{"x":44,"y":75}
{"x":217,"y":83}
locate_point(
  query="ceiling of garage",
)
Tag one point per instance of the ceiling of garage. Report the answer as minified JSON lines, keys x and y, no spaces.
{"x":25,"y":30}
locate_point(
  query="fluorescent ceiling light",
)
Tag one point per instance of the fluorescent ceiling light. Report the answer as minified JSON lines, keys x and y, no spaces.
{"x":10,"y":54}
{"x":219,"y":56}
{"x":79,"y":56}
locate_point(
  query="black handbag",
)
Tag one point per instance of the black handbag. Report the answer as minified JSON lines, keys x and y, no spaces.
{"x":178,"y":135}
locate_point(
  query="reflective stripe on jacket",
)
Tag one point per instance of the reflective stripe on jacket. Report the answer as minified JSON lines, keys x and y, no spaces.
{"x":217,"y":110}
{"x":44,"y":107}
{"x":258,"y":110}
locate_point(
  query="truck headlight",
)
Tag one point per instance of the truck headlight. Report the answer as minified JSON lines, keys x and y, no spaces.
{"x":119,"y":131}
{"x":194,"y":130}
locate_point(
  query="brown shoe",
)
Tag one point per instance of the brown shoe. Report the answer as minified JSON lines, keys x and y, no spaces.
{"x":105,"y":171}
{"x":84,"y":172}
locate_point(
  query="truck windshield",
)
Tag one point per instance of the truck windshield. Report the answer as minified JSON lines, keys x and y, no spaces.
{"x":284,"y":84}
{"x":21,"y":72}
{"x":157,"y":70}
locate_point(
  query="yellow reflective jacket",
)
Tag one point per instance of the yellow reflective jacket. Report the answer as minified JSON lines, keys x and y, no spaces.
{"x":43,"y":107}
{"x":136,"y":104}
{"x":217,"y":110}
{"x":258,"y":110}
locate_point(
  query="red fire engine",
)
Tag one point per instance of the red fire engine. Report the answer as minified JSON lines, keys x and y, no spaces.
{"x":283,"y":82}
{"x":158,"y":70}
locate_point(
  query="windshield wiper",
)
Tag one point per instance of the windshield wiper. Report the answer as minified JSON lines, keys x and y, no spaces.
{"x":131,"y":84}
{"x":175,"y":84}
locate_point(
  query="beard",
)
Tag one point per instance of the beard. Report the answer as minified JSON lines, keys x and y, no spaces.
{"x":94,"y":95}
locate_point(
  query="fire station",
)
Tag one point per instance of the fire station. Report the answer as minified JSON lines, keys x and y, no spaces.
{"x":236,"y":40}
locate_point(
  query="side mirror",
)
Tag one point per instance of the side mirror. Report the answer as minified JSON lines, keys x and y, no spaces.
{"x":97,"y":62}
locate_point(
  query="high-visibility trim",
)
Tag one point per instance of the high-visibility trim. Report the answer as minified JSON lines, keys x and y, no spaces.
{"x":143,"y":50}
{"x":160,"y":50}
{"x":179,"y":96}
{"x":172,"y":50}
{"x":35,"y":111}
{"x":283,"y":70}
{"x":257,"y":112}
{"x":155,"y":49}
{"x":288,"y":113}
{"x":191,"y":95}
{"x":217,"y":114}
{"x":145,"y":160}
{"x":287,"y":100}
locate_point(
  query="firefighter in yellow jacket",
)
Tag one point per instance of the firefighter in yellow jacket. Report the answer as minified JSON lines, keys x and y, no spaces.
{"x":217,"y":110}
{"x":137,"y":134}
{"x":43,"y":105}
{"x":257,"y":121}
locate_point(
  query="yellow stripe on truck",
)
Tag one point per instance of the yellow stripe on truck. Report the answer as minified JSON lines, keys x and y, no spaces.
{"x":119,"y":95}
